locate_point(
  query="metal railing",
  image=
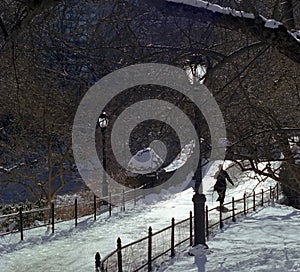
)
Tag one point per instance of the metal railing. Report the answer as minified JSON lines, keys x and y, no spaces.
{"x":141,"y":255}
{"x":21,"y":220}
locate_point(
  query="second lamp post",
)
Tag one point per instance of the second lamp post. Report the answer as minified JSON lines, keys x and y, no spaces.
{"x":103,"y":122}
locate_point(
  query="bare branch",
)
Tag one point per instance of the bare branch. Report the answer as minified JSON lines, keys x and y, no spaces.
{"x":278,"y":37}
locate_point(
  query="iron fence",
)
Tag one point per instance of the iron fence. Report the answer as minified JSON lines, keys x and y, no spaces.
{"x":21,"y":221}
{"x":142,"y":254}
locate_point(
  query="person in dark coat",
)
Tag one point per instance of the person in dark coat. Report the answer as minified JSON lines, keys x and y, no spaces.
{"x":220,"y":185}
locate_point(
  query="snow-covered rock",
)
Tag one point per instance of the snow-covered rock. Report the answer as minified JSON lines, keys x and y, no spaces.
{"x":12,"y":226}
{"x":144,"y":161}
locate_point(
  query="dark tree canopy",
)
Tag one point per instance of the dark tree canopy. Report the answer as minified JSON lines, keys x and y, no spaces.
{"x":52,"y":51}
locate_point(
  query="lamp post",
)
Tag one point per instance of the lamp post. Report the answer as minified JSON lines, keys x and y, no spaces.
{"x":103,"y":122}
{"x":199,"y":198}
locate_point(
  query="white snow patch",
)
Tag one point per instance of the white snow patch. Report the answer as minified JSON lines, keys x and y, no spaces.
{"x":67,"y":199}
{"x":182,"y":158}
{"x":144,"y":161}
{"x":296,"y":35}
{"x":215,"y":8}
{"x":271,"y":23}
{"x":12,"y":226}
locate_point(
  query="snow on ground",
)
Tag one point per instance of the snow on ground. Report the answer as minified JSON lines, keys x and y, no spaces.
{"x":267,"y":240}
{"x":73,"y":249}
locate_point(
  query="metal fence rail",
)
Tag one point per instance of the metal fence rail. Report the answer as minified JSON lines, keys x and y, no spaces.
{"x":142,"y":254}
{"x":21,"y":221}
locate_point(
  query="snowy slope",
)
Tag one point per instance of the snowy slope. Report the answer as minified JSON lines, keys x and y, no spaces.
{"x":73,"y":249}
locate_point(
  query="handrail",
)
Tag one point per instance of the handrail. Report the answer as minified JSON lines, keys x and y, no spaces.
{"x":136,"y":194}
{"x":258,"y":202}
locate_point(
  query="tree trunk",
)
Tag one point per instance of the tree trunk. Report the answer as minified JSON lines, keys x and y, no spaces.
{"x":290,"y":188}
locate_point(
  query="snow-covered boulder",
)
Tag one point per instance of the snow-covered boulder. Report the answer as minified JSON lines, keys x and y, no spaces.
{"x":145,"y":161}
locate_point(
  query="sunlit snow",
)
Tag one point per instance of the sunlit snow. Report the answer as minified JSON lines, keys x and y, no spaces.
{"x":267,"y":240}
{"x":73,"y":249}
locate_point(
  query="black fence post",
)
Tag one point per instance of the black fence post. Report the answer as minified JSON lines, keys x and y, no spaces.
{"x":21,"y":224}
{"x":52,"y":215}
{"x":220,"y":217}
{"x":206,"y":221}
{"x":277,"y":191}
{"x":245,"y":208}
{"x":191,"y":228}
{"x":254,"y":207}
{"x":119,"y":247}
{"x":95,"y":207}
{"x":109,"y":205}
{"x":233,"y":210}
{"x":262,"y":197}
{"x":134,"y":196}
{"x":173,"y":238}
{"x":123,"y":200}
{"x":150,"y":249}
{"x":97,"y":262}
{"x":76,"y":211}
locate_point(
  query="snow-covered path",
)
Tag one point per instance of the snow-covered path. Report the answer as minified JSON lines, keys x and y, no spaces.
{"x":73,"y":249}
{"x":264,"y":241}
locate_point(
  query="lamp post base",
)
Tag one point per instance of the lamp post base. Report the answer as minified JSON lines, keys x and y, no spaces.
{"x":199,"y":219}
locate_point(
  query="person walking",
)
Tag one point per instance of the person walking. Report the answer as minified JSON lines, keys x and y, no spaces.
{"x":98,"y":263}
{"x":221,"y":185}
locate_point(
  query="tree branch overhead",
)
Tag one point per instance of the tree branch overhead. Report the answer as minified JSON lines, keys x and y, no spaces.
{"x":269,"y":32}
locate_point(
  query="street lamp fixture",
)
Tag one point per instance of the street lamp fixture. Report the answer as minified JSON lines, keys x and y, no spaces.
{"x":103,"y":122}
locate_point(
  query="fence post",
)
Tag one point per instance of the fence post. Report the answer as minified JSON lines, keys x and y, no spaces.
{"x":254,"y":207}
{"x":233,"y":211}
{"x":150,"y":249}
{"x":123,"y":201}
{"x":191,"y":228}
{"x":220,"y":217}
{"x":21,"y":224}
{"x":277,"y":191}
{"x":245,"y":211}
{"x":76,"y":212}
{"x":119,"y":247}
{"x":173,"y":238}
{"x":97,"y":262}
{"x":109,"y":205}
{"x":134,"y":196}
{"x":206,"y":221}
{"x":52,"y":215}
{"x":262,"y":197}
{"x":95,"y":207}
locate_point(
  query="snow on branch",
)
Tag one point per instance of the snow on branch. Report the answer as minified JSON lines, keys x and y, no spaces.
{"x":9,"y":169}
{"x":214,"y":8}
{"x":269,"y":31}
{"x":270,"y":23}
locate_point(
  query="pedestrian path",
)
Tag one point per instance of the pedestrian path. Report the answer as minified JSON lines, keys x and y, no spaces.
{"x":263,"y":241}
